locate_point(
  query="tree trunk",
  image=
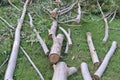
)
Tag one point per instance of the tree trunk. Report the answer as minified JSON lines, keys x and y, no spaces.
{"x":13,"y":57}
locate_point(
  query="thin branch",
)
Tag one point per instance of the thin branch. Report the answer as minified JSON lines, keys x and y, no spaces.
{"x":105,"y":22}
{"x":67,"y":45}
{"x":34,"y":66}
{"x":67,"y":36}
{"x":114,"y":14}
{"x":6,"y":22}
{"x":114,"y":28}
{"x":43,"y":44}
{"x":5,"y":61}
{"x":13,"y":57}
{"x":13,"y":5}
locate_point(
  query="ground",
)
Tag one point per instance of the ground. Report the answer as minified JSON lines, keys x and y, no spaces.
{"x":80,"y":51}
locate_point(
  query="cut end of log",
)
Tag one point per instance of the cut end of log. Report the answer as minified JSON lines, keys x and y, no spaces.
{"x":95,"y":77}
{"x":97,"y":64}
{"x":54,"y":58}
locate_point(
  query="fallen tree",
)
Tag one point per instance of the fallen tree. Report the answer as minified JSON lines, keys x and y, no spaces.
{"x":101,"y":69}
{"x":61,"y":71}
{"x":94,"y":56}
{"x":55,"y":52}
{"x":13,"y":57}
{"x":85,"y":72}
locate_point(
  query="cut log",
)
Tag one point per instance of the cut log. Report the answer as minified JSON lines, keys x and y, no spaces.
{"x":105,"y":23}
{"x":61,"y":71}
{"x":53,"y":29}
{"x":67,"y":45}
{"x":55,"y":52}
{"x":101,"y":69}
{"x":13,"y":57}
{"x":67,"y":36}
{"x":85,"y":72}
{"x":94,"y":56}
{"x":42,"y":43}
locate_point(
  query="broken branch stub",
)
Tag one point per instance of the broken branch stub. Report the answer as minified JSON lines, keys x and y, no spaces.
{"x":55,"y":52}
{"x":101,"y":69}
{"x":53,"y":29}
{"x":85,"y":72}
{"x":61,"y":71}
{"x":94,"y":56}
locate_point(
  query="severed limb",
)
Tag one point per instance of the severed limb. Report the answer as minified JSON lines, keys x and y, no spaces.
{"x":13,"y":57}
{"x":94,"y":56}
{"x":101,"y":69}
{"x":34,"y":66}
{"x":105,"y":23}
{"x":55,"y":52}
{"x":61,"y":71}
{"x":42,"y":43}
{"x":85,"y":72}
{"x":67,"y":36}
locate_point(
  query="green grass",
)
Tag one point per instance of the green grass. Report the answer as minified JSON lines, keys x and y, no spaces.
{"x":80,"y":50}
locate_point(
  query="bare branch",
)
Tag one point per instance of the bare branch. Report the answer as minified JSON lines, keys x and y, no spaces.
{"x":67,"y":36}
{"x":34,"y":66}
{"x":13,"y":5}
{"x":42,"y":43}
{"x":105,"y":22}
{"x":67,"y":45}
{"x":7,"y":23}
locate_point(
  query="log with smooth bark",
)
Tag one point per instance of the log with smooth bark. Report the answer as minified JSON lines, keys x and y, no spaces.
{"x":85,"y":72}
{"x":42,"y":43}
{"x":101,"y":69}
{"x":61,"y":71}
{"x":13,"y":57}
{"x":94,"y":56}
{"x":55,"y":52}
{"x":67,"y":36}
{"x":52,"y":31}
{"x":105,"y":23}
